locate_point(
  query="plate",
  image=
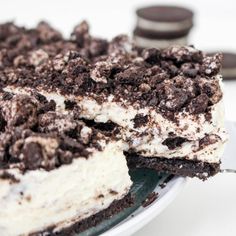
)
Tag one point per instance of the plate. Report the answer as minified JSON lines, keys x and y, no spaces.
{"x":145,"y":182}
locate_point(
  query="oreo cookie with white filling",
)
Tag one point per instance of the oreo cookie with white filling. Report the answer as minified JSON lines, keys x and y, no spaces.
{"x":162,"y":26}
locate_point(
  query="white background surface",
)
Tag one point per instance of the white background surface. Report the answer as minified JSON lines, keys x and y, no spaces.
{"x":203,"y":208}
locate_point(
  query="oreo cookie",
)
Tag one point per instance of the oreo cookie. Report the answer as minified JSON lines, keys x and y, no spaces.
{"x":162,"y":26}
{"x":228,"y":69}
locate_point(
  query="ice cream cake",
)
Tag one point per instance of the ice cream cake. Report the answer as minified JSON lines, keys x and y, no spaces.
{"x":77,"y":113}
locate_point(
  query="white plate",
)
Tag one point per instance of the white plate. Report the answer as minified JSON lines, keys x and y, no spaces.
{"x":142,"y":215}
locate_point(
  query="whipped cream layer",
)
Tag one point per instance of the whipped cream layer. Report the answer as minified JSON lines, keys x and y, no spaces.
{"x":148,"y":139}
{"x":65,"y":195}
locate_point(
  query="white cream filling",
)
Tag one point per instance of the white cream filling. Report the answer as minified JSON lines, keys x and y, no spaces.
{"x":158,"y":129}
{"x":190,"y":149}
{"x":159,"y":43}
{"x":163,"y":26}
{"x":64,"y":195}
{"x":187,"y":126}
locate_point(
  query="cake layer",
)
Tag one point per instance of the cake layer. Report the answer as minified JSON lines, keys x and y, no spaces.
{"x":148,"y":132}
{"x":61,"y":197}
{"x":184,"y":124}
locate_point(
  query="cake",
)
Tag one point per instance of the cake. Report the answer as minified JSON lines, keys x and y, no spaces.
{"x":161,"y":26}
{"x":77,"y":113}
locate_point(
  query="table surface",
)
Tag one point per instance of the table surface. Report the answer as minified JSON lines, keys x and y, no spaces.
{"x":203,"y":208}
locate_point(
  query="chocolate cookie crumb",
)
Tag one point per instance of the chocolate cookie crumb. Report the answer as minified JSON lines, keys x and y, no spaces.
{"x":151,"y":56}
{"x":199,"y":104}
{"x":174,"y":142}
{"x":69,"y":104}
{"x":150,"y":199}
{"x":92,"y":66}
{"x":3,"y":122}
{"x":7,"y":176}
{"x":140,"y":120}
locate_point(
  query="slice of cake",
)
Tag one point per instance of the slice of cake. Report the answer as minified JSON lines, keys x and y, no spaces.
{"x":166,"y":104}
{"x":57,"y":175}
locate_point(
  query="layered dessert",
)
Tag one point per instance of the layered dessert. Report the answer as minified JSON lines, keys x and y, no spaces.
{"x":77,"y":112}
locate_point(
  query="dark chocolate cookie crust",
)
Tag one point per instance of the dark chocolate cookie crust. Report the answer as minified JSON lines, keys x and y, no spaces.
{"x":165,"y":13}
{"x":116,"y":207}
{"x":153,"y":34}
{"x":176,"y":166}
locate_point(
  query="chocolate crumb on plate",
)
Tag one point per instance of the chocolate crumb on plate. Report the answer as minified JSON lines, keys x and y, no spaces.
{"x":150,"y":199}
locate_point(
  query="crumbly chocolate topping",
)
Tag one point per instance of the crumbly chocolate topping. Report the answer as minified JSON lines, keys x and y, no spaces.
{"x":33,"y":135}
{"x":168,"y":80}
